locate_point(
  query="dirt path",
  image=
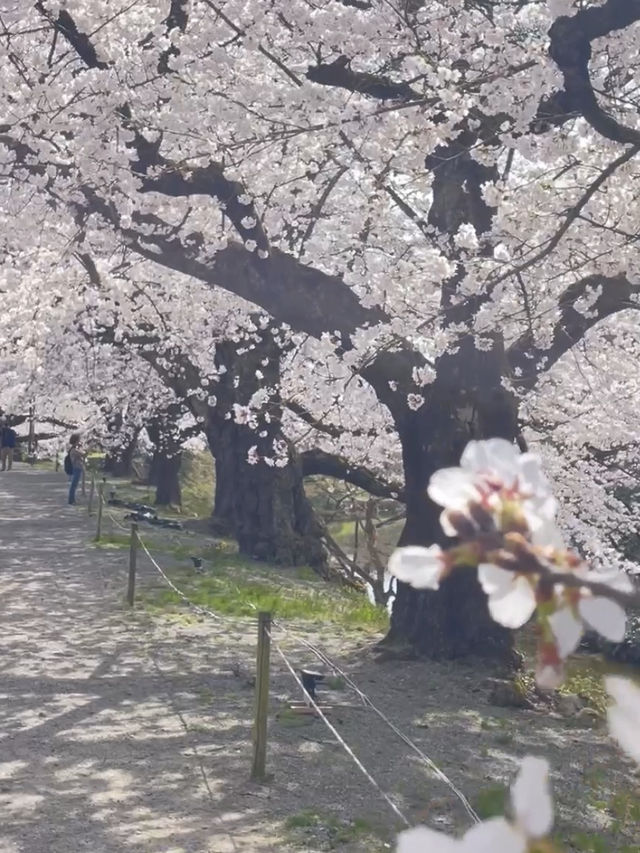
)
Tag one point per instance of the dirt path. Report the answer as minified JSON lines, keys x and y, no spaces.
{"x":100,"y":747}
{"x":123,"y":732}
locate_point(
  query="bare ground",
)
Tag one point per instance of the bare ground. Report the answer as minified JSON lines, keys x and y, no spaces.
{"x":124,"y":731}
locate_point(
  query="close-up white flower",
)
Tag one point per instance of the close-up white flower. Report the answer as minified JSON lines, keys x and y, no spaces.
{"x":623,"y":714}
{"x":511,"y":597}
{"x":494,"y":471}
{"x":531,"y":820}
{"x":420,"y":567}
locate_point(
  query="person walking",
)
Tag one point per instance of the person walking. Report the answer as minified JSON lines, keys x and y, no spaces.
{"x":8,"y":439}
{"x":76,"y":459}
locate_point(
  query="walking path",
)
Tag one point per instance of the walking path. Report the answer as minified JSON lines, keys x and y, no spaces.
{"x":124,"y":732}
{"x":111,"y":738}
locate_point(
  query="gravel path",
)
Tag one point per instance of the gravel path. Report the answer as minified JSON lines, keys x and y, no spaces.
{"x":120,"y":731}
{"x":101,"y":747}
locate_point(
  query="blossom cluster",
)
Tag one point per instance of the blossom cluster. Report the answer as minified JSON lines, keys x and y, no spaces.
{"x":500,"y":507}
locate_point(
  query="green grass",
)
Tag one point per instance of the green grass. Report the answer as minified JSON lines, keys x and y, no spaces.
{"x":584,"y":680}
{"x":331,"y":832}
{"x":196,"y":479}
{"x":232,"y":594}
{"x":491,"y":801}
{"x":113,"y":540}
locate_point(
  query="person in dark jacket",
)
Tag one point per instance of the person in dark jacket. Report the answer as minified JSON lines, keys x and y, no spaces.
{"x":8,"y":440}
{"x":77,"y":466}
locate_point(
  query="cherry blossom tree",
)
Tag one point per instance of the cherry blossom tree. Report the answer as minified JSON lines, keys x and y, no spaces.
{"x":436,"y":199}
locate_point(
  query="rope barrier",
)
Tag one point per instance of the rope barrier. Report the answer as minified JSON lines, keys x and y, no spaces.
{"x":364,"y":698}
{"x":429,"y":762}
{"x":339,"y":737}
{"x":116,"y":522}
{"x":197,"y":607}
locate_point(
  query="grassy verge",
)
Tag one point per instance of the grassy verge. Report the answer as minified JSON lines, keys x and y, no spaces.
{"x":233,"y":586}
{"x":324,"y":831}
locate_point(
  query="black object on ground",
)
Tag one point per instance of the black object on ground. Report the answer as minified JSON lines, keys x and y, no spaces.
{"x":136,"y":507}
{"x":151,"y":518}
{"x":310,"y":680}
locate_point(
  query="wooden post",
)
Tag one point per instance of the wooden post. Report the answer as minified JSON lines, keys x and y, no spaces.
{"x":258,"y":771}
{"x":133,"y":559}
{"x":92,"y":489}
{"x":100,"y":505}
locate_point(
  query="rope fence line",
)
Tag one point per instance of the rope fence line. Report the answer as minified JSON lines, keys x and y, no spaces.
{"x":339,"y":737}
{"x":197,"y":607}
{"x":341,"y":741}
{"x":325,"y":659}
{"x":116,"y":522}
{"x":365,"y":699}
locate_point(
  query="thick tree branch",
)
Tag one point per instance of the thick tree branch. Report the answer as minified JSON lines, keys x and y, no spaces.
{"x":331,"y":465}
{"x":338,"y":73}
{"x":527,"y":360}
{"x":570,"y":48}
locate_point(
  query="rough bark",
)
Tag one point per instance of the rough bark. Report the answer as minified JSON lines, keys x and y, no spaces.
{"x":465,"y":402}
{"x":119,"y":461}
{"x":265,"y":507}
{"x":164,"y":472}
{"x":264,"y":504}
{"x":166,"y":476}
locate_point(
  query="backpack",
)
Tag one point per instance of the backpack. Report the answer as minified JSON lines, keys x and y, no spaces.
{"x":68,"y":467}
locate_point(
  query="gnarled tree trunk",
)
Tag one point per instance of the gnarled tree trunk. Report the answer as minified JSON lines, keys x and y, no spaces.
{"x":466,"y":402}
{"x":262,"y":501}
{"x":265,"y":506}
{"x":164,"y":471}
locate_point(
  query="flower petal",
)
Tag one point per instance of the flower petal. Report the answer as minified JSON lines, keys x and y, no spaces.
{"x":613,"y":578}
{"x":417,"y":566}
{"x":452,"y":488}
{"x":492,"y":836}
{"x":425,"y":840}
{"x":531,"y":797}
{"x":544,"y":531}
{"x":624,"y":715}
{"x":567,"y":630}
{"x":495,"y":456}
{"x":604,"y":616}
{"x":445,"y":524}
{"x":516,"y":606}
{"x":531,"y":476}
{"x":494,"y":581}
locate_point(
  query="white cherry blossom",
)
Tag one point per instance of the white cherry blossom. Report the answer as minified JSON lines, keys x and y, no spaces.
{"x":511,"y":597}
{"x":623,"y":715}
{"x":492,"y":472}
{"x":420,"y":567}
{"x":532,"y":819}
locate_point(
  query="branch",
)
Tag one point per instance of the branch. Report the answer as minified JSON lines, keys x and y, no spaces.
{"x":332,"y":430}
{"x":339,"y":73}
{"x":331,"y":465}
{"x":570,"y":48}
{"x":528,"y":360}
{"x":572,"y":215}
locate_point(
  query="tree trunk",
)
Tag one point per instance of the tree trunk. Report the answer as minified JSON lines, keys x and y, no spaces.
{"x":265,"y":506}
{"x":166,"y":478}
{"x":223,"y":519}
{"x":263,"y":503}
{"x":164,"y":471}
{"x":119,"y":463}
{"x":465,"y":402}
